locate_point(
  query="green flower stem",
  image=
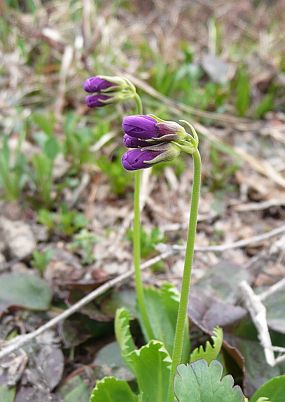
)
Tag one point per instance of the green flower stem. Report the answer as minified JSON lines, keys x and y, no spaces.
{"x":137,"y":258}
{"x":182,"y":311}
{"x":137,"y":243}
{"x":139,"y":105}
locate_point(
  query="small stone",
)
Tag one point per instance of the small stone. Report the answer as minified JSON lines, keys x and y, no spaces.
{"x":19,"y":238}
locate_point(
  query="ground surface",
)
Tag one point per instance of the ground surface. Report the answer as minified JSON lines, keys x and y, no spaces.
{"x":65,"y":215}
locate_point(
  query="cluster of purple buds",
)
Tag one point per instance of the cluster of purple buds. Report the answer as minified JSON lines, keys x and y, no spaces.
{"x":104,"y":90}
{"x":152,"y":141}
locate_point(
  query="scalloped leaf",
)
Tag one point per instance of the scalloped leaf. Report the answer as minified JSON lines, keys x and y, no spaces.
{"x":210,"y":352}
{"x":162,"y":306}
{"x":151,"y":364}
{"x":110,"y":389}
{"x":273,"y":389}
{"x":123,"y":334}
{"x":198,"y":382}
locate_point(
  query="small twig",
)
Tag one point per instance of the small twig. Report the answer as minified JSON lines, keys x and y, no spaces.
{"x":278,"y":349}
{"x":237,"y":244}
{"x":258,"y":315}
{"x":279,"y":360}
{"x":22,"y":340}
{"x":257,"y":206}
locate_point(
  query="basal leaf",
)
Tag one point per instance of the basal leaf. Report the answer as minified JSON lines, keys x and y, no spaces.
{"x":198,"y":382}
{"x":25,"y":290}
{"x":7,"y":394}
{"x":273,"y":389}
{"x":151,"y":365}
{"x":210,"y":352}
{"x":162,"y":307}
{"x":123,"y":333}
{"x":110,"y":389}
{"x":74,"y":390}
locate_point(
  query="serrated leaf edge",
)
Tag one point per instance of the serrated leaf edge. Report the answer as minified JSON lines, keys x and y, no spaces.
{"x":102,"y":382}
{"x":203,"y":350}
{"x":123,"y":333}
{"x":166,"y":359}
{"x":228,"y":378}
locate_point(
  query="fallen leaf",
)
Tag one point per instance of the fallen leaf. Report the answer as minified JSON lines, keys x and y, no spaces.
{"x":221,"y":281}
{"x":207,"y":312}
{"x":50,"y":362}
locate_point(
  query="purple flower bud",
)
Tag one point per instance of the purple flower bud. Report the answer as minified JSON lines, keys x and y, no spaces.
{"x":140,"y":126}
{"x":135,"y":158}
{"x":96,"y":100}
{"x":132,"y":142}
{"x":96,"y":84}
{"x":142,"y":158}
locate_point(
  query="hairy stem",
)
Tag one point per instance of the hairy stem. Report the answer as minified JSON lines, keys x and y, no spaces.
{"x":182,"y":311}
{"x":137,"y":243}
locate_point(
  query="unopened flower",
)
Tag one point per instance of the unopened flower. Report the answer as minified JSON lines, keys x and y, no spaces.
{"x":142,"y":158}
{"x":97,"y":84}
{"x":154,"y":140}
{"x":149,"y":127}
{"x":98,"y":100}
{"x":107,"y":89}
{"x":140,"y":126}
{"x":132,"y":142}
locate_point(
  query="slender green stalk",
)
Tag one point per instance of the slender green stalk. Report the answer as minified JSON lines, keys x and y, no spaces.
{"x":137,"y":257}
{"x":137,"y":243}
{"x":182,"y":311}
{"x":139,"y":105}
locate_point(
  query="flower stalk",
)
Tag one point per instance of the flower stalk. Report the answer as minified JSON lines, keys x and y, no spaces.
{"x":183,"y":305}
{"x":137,"y":242}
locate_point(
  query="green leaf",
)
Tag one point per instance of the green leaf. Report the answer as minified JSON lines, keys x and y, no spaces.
{"x":274,"y":304}
{"x":74,"y":390}
{"x":273,"y":389}
{"x":123,"y":333}
{"x":109,"y":362}
{"x":7,"y":394}
{"x":45,"y":123}
{"x":151,"y":365}
{"x":211,"y":351}
{"x":25,"y":290}
{"x":199,"y":382}
{"x":51,"y":148}
{"x":266,"y":104}
{"x":162,"y":306}
{"x":242,"y":92}
{"x":110,"y":389}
